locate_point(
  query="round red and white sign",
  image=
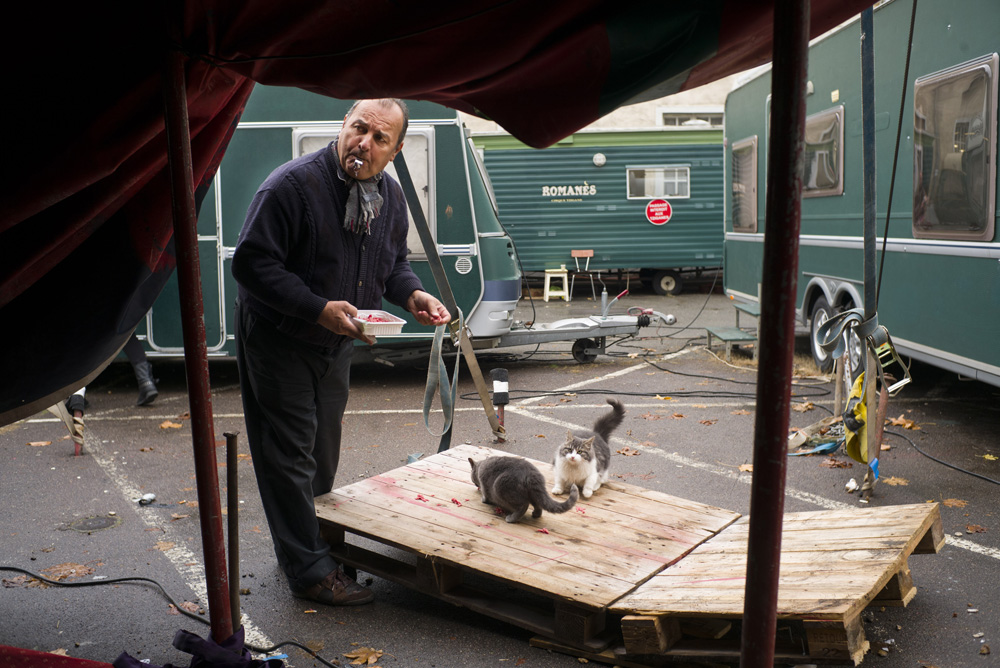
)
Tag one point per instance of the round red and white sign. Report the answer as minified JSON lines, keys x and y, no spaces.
{"x":658,"y":211}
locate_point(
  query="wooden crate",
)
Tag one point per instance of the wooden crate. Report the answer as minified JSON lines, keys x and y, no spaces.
{"x":833,"y":565}
{"x":577,"y":563}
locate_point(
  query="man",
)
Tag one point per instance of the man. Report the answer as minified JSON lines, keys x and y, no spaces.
{"x":324,"y":236}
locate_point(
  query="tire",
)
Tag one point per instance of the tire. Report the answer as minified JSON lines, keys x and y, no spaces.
{"x":667,"y":282}
{"x":580,"y":353}
{"x":821,"y":312}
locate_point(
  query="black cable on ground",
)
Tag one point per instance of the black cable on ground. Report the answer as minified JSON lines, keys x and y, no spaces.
{"x":939,"y":461}
{"x":187,"y":613}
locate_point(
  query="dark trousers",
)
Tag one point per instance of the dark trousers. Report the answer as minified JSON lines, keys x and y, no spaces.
{"x":294,"y":398}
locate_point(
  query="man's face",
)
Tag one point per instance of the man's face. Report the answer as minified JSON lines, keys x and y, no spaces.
{"x":367,"y":142}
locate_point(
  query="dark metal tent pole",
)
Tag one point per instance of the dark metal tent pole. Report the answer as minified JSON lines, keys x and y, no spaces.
{"x":195,"y":348}
{"x":777,"y":330}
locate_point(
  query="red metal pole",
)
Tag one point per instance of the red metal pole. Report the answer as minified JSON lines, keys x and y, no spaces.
{"x":195,"y":349}
{"x":777,"y":330}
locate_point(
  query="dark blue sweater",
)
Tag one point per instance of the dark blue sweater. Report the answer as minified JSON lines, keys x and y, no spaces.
{"x":293,"y":254}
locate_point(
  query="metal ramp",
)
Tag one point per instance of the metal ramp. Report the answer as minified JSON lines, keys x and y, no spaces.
{"x":631,"y":576}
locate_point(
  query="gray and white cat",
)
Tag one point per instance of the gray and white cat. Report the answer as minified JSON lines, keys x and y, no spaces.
{"x":584,"y":458}
{"x":513,"y":484}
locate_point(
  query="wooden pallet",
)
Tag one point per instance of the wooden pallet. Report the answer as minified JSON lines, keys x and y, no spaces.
{"x":631,"y":576}
{"x":576,"y":564}
{"x":833,"y":564}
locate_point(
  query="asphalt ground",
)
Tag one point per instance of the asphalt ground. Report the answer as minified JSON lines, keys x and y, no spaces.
{"x":691,"y":445}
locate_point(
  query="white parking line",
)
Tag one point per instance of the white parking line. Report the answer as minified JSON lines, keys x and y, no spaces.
{"x":186,"y":562}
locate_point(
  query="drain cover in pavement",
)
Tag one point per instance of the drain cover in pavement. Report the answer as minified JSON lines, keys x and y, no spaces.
{"x":90,"y":524}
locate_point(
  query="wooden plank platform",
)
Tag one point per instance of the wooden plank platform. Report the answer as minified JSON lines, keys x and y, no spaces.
{"x":630,"y":576}
{"x":578,"y":562}
{"x":833,"y":564}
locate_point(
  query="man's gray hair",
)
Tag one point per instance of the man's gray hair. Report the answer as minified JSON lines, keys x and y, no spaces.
{"x":386,"y":102}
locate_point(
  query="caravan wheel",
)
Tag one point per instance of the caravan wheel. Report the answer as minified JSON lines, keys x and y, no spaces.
{"x":667,"y":282}
{"x":821,"y":312}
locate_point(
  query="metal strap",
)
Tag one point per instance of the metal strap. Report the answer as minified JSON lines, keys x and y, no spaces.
{"x":457,"y":326}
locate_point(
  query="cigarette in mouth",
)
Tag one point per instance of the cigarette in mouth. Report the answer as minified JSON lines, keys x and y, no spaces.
{"x":358,"y":164}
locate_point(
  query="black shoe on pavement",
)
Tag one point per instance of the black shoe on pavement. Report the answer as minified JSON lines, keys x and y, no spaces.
{"x":336,"y":589}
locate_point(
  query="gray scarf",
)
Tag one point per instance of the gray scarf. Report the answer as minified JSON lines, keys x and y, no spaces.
{"x":363,"y":199}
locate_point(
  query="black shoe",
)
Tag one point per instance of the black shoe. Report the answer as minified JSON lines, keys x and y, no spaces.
{"x":147,"y":388}
{"x":336,"y":589}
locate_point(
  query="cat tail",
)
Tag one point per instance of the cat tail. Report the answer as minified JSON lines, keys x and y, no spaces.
{"x":550,"y":505}
{"x":608,"y":422}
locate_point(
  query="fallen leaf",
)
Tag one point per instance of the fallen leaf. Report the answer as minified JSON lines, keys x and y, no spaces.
{"x":167,"y":424}
{"x":903,"y":422}
{"x":984,"y":650}
{"x":364,"y":656}
{"x":990,"y":458}
{"x":192,"y":607}
{"x":67,"y":571}
{"x":177,"y":516}
{"x":746,"y":468}
{"x":628,"y":452}
{"x":145,"y":449}
{"x":650,"y":416}
{"x":677,"y":416}
{"x":955,"y":503}
{"x":832,"y":463}
{"x":164,"y":545}
{"x":60,"y":652}
{"x":539,"y":435}
{"x":741,"y":411}
{"x":708,"y":422}
{"x":648,"y":444}
{"x":802,"y":408}
{"x":38,"y":444}
{"x":975,"y":528}
{"x":896,"y":482}
{"x":542,"y":530}
{"x":186,"y":415}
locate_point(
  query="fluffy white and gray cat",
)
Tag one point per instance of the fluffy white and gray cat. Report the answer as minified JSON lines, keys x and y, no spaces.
{"x":584,"y":458}
{"x":513,"y":484}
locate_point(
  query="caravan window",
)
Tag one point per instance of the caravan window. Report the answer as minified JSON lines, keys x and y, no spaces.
{"x":824,"y":154}
{"x":745,"y":185}
{"x":672,"y":181}
{"x":417,"y":149}
{"x":954,"y":151}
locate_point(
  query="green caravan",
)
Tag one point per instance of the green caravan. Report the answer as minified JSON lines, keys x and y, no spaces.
{"x":646,"y":201}
{"x":940,"y":281}
{"x":283,"y":123}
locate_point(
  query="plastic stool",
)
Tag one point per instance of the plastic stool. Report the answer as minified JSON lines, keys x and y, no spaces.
{"x":560,"y":274}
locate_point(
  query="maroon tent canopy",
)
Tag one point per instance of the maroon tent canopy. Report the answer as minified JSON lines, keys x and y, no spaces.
{"x":85,"y":228}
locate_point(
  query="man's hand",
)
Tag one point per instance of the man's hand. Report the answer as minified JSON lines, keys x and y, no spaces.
{"x":427,"y":309}
{"x":336,"y":317}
